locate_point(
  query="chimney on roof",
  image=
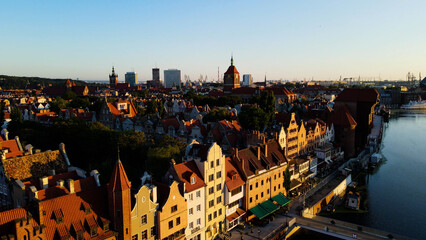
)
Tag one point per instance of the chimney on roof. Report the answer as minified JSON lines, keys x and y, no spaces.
{"x":95,"y":174}
{"x":51,"y":172}
{"x":71,"y":186}
{"x":44,"y":182}
{"x":258,"y":152}
{"x":266,"y":150}
{"x":5,"y":134}
{"x":60,"y":183}
{"x":33,"y":193}
{"x":29,"y":148}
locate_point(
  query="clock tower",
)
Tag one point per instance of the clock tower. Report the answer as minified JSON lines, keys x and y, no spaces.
{"x":231,"y":78}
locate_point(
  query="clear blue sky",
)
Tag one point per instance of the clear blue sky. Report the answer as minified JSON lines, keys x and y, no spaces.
{"x":284,"y":39}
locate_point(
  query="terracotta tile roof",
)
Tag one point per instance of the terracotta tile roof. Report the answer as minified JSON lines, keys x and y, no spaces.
{"x":233,"y":178}
{"x":13,"y":148}
{"x":191,"y":124}
{"x":170,"y":122}
{"x":248,"y":162}
{"x":119,"y":180}
{"x":358,"y":95}
{"x":231,"y":70}
{"x":279,"y":91}
{"x":186,"y":171}
{"x":70,"y":207}
{"x":34,"y":166}
{"x":233,"y":125}
{"x":343,"y":117}
{"x":7,"y":224}
{"x":51,"y":179}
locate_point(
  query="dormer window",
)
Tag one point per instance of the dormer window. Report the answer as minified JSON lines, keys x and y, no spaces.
{"x":192,"y":180}
{"x":234,"y":177}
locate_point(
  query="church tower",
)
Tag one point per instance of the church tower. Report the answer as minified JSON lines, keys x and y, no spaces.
{"x":119,"y":203}
{"x":231,"y":78}
{"x":113,"y":78}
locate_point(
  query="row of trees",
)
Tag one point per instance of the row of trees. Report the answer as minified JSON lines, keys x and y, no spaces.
{"x":95,"y":146}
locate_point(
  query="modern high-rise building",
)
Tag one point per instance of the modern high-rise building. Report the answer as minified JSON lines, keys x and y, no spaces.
{"x":156,"y":74}
{"x":131,"y":78}
{"x":172,"y":78}
{"x":113,"y":78}
{"x":247,"y":80}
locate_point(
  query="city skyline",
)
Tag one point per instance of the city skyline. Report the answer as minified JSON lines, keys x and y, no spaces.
{"x":278,"y":39}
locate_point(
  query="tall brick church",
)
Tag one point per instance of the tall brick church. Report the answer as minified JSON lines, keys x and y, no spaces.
{"x":231,"y":78}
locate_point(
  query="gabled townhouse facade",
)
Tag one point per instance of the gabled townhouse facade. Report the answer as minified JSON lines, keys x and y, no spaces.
{"x":211,"y":164}
{"x":172,"y":212}
{"x":188,"y":174}
{"x":262,"y":168}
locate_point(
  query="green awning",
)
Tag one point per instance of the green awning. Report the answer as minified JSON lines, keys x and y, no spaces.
{"x":259,"y":211}
{"x":269,"y":206}
{"x":281,"y":199}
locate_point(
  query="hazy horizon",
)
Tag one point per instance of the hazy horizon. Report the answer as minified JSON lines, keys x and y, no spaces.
{"x":279,"y":39}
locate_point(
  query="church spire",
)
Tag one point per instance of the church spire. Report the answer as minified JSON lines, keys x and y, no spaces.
{"x":232,"y":60}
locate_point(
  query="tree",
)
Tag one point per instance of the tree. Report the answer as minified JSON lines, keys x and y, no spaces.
{"x":217,"y":114}
{"x":268,"y":105}
{"x":16,"y":121}
{"x":58,"y":104}
{"x":151,"y":107}
{"x":69,"y":95}
{"x":253,"y":118}
{"x":287,"y":180}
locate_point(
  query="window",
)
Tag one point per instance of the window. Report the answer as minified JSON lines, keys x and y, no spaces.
{"x":198,"y":207}
{"x":236,"y":191}
{"x":211,"y":177}
{"x":257,"y":185}
{"x":251,"y":187}
{"x":236,"y":203}
{"x":191,"y":225}
{"x":198,"y":194}
{"x":135,"y":237}
{"x":190,"y":196}
{"x":93,"y":232}
{"x":152,"y":231}
{"x":177,"y":221}
{"x":218,"y":174}
{"x":217,"y":162}
{"x":220,"y":211}
{"x":192,"y":180}
{"x":251,"y":199}
{"x":211,"y":190}
{"x":275,"y":188}
{"x":210,"y":217}
{"x":215,"y":214}
{"x":267,"y":191}
{"x":211,"y":164}
{"x":261,"y":183}
{"x":256,"y":196}
{"x":144,"y":235}
{"x":190,"y":211}
{"x":144,"y":219}
{"x":199,"y":221}
{"x":170,"y":224}
{"x":219,"y":199}
{"x":261,"y":194}
{"x":174,"y":208}
{"x":275,"y":176}
{"x":219,"y":187}
{"x":211,"y":203}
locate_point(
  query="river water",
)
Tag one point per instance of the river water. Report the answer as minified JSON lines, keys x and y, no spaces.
{"x":397,"y":189}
